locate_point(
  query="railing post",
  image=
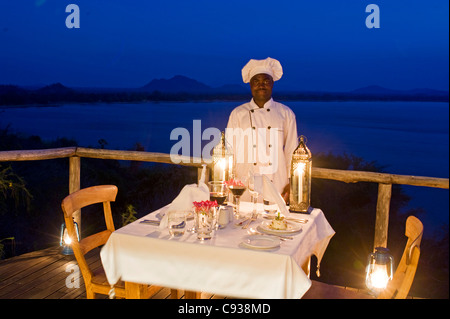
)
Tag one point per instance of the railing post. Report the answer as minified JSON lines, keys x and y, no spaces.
{"x":382,"y":217}
{"x":74,"y":183}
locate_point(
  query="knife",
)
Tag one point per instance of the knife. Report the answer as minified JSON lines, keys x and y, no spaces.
{"x":150,"y":222}
{"x":241,"y":222}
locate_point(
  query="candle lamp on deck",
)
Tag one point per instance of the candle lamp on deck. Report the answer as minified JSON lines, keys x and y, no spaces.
{"x":222,"y":161}
{"x":65,"y":241}
{"x":300,"y":183}
{"x":379,"y":270}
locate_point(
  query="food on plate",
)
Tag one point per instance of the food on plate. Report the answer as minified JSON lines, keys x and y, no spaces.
{"x":278,"y":223}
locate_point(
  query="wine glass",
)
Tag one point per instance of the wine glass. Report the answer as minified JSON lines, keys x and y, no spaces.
{"x":218,"y":191}
{"x":254,"y":194}
{"x":237,"y":188}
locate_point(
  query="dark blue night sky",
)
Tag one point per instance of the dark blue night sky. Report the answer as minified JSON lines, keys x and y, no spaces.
{"x":322,"y":45}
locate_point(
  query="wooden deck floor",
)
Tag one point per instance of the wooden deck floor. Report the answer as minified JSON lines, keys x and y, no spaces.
{"x":42,"y":275}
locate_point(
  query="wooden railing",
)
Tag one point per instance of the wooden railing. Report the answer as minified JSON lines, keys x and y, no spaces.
{"x":384,"y":180}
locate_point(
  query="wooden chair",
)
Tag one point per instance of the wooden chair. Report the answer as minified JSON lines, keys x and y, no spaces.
{"x":95,"y":280}
{"x":398,"y":287}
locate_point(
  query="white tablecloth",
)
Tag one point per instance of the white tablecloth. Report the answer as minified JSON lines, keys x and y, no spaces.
{"x":145,"y":254}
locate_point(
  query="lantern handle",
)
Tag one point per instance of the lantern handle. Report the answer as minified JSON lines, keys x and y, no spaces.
{"x":302,"y":137}
{"x":63,"y":225}
{"x":391,"y":274}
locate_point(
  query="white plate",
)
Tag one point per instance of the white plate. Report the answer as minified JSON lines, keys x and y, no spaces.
{"x":260,"y":242}
{"x":292,"y":228}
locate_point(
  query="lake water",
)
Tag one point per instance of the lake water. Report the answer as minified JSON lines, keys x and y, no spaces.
{"x":410,"y":138}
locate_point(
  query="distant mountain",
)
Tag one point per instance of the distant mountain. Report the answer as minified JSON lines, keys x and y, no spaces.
{"x":177,"y":84}
{"x":182,"y":88}
{"x":428,"y":92}
{"x":183,"y":84}
{"x":379,"y":90}
{"x":56,"y":88}
{"x":374,"y":89}
{"x":11,"y":89}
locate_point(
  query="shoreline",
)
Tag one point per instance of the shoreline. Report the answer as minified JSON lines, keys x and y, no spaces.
{"x":279,"y":99}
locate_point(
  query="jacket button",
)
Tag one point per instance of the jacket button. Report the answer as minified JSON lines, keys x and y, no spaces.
{"x":269,"y":127}
{"x":252,"y":111}
{"x":268,"y":110}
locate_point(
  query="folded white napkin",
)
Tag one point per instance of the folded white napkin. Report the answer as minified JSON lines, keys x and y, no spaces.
{"x":266,"y":188}
{"x":184,"y":201}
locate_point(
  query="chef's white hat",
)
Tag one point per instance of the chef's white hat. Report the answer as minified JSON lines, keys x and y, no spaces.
{"x":268,"y":66}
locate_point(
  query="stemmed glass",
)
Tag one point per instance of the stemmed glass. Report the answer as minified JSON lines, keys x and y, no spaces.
{"x":254,"y":194}
{"x":237,"y":188}
{"x":218,"y":191}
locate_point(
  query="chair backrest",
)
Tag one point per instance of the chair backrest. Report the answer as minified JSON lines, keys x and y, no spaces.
{"x":399,"y":286}
{"x":82,"y":198}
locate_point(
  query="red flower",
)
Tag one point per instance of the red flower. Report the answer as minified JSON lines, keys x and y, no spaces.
{"x":204,"y":205}
{"x":234,"y":182}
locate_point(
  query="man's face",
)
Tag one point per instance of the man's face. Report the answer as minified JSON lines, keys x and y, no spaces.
{"x":261,"y":86}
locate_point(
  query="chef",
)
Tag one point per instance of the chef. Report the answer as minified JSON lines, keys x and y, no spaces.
{"x":262,"y":132}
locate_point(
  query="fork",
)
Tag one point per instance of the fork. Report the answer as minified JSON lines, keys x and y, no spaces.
{"x":253,"y":231}
{"x":253,"y":218}
{"x":292,"y":219}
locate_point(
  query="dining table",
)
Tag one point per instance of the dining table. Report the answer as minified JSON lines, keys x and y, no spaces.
{"x":239,"y":262}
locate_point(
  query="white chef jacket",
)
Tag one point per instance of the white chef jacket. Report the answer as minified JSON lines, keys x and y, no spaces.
{"x":263,"y":140}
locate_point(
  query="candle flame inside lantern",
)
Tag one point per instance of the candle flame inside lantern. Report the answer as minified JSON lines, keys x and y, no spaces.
{"x":67,"y":239}
{"x":379,"y":277}
{"x":300,"y":172}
